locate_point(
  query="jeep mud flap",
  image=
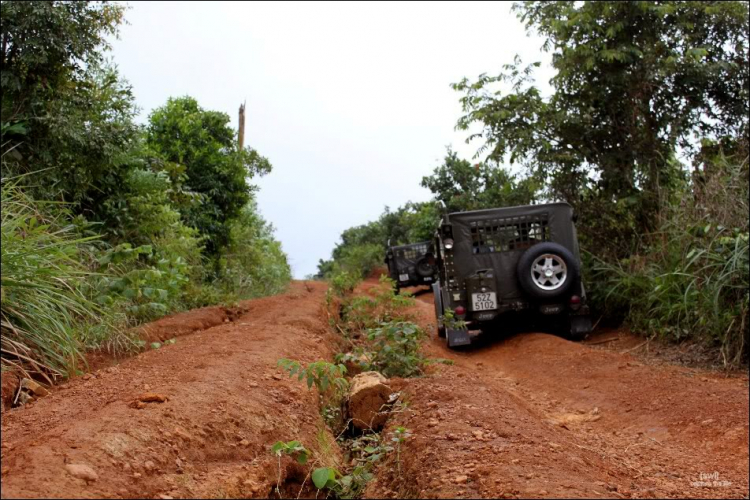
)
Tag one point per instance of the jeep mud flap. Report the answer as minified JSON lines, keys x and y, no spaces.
{"x":458,"y":337}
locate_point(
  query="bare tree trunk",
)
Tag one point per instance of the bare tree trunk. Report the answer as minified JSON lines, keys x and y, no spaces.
{"x":242,"y":127}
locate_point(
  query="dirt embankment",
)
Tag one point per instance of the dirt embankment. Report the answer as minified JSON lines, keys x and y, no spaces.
{"x":166,"y":328}
{"x":226,"y":404}
{"x":538,"y":416}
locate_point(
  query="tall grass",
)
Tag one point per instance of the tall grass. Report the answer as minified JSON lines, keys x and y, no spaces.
{"x":45,"y":309}
{"x":691,"y":279}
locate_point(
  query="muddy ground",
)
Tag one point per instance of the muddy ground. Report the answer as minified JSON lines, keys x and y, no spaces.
{"x":528,"y":416}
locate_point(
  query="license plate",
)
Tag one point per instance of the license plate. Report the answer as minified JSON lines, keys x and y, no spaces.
{"x":427,"y":278}
{"x":484,"y":301}
{"x":403,"y":277}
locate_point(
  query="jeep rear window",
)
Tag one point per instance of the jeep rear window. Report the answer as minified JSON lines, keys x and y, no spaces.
{"x":414,"y":252}
{"x":507,"y":234}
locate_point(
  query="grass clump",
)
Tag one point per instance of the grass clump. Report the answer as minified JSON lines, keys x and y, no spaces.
{"x":689,"y":280}
{"x":48,"y":313}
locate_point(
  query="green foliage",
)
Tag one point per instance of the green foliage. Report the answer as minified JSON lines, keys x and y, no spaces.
{"x":394,"y":349}
{"x":363,"y":453}
{"x":691,"y":278}
{"x":146,"y":222}
{"x":203,"y":142}
{"x":399,"y":436}
{"x":362,"y":248}
{"x":322,"y":374}
{"x":362,"y":312}
{"x":325,"y":477}
{"x":75,"y":112}
{"x":461,"y":186}
{"x":680,"y":69}
{"x":343,"y":283}
{"x":294,"y":449}
{"x":151,"y":285}
{"x":253,"y":263}
{"x":450,"y":320}
{"x":46,"y":312}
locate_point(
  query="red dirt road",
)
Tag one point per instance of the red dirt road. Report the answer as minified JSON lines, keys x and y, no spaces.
{"x":227,"y":404}
{"x":539,"y":416}
{"x":529,"y":416}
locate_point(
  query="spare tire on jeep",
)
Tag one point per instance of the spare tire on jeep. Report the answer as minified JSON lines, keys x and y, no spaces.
{"x":424,"y":267}
{"x":547,"y":270}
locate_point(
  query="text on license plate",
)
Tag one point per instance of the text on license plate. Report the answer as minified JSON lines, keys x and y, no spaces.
{"x":403,"y":277}
{"x":484,"y":301}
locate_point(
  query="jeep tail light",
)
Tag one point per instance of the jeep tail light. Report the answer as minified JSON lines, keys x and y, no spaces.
{"x":575,"y":302}
{"x":448,"y":242}
{"x":460,"y":310}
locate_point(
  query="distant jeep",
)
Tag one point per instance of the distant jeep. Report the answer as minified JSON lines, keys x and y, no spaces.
{"x":411,"y":265}
{"x":509,"y":260}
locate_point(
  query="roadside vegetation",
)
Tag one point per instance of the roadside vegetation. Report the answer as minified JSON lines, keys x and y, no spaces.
{"x":376,"y":333}
{"x":645,"y":134}
{"x":107,"y":224}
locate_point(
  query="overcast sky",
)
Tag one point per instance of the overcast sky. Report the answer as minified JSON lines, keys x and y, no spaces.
{"x":351,"y":102}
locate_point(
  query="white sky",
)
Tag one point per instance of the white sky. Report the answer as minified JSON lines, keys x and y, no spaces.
{"x":350,"y":102}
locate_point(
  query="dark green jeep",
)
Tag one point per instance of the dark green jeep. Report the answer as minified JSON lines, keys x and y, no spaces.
{"x":502,"y":261}
{"x":411,"y":265}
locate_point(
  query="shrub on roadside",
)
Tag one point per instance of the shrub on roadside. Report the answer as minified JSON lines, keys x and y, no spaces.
{"x":691,"y":279}
{"x":45,"y":307}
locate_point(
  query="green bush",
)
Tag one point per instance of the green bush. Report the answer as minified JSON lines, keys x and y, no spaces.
{"x":394,"y":349}
{"x":690,"y":280}
{"x":343,"y":283}
{"x":47,"y":316}
{"x":253,"y":264}
{"x":363,"y":312}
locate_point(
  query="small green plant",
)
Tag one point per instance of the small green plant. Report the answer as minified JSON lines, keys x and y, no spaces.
{"x":294,"y":449}
{"x":395,"y":349}
{"x":343,"y":283}
{"x":326,"y":477}
{"x":450,"y":321}
{"x":399,"y":436}
{"x":322,"y":374}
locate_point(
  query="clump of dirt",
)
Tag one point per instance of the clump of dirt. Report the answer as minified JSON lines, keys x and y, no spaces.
{"x":10,"y":382}
{"x":179,"y":324}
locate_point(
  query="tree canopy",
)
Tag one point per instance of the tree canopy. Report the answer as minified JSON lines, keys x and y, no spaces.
{"x":635,"y":83}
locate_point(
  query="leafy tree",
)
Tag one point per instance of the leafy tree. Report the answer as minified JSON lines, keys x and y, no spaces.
{"x":362,"y":248}
{"x":202,"y":141}
{"x":634,"y":81}
{"x":64,"y":110}
{"x":462,"y":186}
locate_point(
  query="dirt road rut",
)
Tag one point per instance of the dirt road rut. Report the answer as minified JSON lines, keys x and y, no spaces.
{"x":539,"y":416}
{"x":226,"y":405}
{"x":529,"y":416}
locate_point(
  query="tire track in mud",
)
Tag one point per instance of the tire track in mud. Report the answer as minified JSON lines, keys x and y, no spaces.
{"x":539,"y":416}
{"x":227,"y":404}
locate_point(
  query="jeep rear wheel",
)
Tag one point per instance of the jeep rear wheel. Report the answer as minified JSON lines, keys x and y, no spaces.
{"x":547,"y":270}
